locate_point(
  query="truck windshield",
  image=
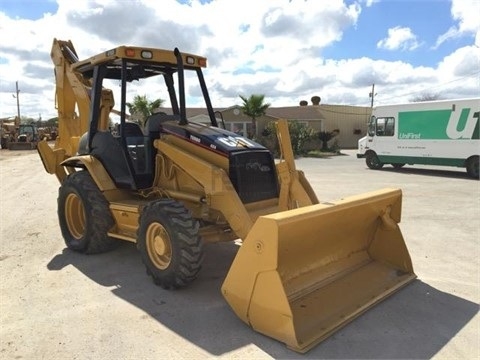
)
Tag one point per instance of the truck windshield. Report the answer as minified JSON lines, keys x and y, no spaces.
{"x":26,"y":130}
{"x":385,"y":126}
{"x":371,"y":126}
{"x":381,"y":126}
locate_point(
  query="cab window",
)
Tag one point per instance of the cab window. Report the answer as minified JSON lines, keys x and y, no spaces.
{"x":385,"y":126}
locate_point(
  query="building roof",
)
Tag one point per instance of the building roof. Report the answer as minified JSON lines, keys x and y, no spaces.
{"x":308,"y":112}
{"x":191,"y":111}
{"x":296,"y":112}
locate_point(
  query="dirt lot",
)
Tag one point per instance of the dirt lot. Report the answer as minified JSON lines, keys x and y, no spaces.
{"x":56,"y":304}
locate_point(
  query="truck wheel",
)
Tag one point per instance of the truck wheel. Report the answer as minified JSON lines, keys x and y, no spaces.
{"x":169,"y":244}
{"x":472,"y":167}
{"x":373,"y":162}
{"x":398,"y":166}
{"x":84,"y":215}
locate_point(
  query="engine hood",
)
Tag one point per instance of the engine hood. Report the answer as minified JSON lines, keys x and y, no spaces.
{"x":213,"y":138}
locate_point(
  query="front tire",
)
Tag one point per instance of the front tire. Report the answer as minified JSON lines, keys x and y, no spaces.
{"x":373,"y":162}
{"x":84,"y":215}
{"x":473,"y":167}
{"x":169,"y":244}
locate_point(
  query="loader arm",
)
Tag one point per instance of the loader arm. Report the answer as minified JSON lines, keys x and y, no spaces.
{"x":219,"y":191}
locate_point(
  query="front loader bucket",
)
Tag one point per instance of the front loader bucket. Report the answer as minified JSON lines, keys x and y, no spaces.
{"x":302,"y":274}
{"x":21,"y":146}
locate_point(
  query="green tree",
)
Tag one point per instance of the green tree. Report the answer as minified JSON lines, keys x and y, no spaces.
{"x":325,"y":137}
{"x":52,"y":122}
{"x":254,"y":107}
{"x":25,"y":120}
{"x":300,"y":134}
{"x":141,"y":107}
{"x":425,"y":97}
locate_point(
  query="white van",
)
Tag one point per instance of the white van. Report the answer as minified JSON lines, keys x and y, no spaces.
{"x":444,"y":132}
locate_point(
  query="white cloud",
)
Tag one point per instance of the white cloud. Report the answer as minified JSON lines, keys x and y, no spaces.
{"x":267,"y":46}
{"x":464,"y":62}
{"x":369,"y":3}
{"x":466,"y":13}
{"x":274,"y":35}
{"x":399,"y":38}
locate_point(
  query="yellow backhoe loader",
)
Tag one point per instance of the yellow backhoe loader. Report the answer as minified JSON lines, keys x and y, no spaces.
{"x":26,"y":138}
{"x":304,"y":268}
{"x":16,"y":136}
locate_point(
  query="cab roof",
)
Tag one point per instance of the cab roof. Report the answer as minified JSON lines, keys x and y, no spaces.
{"x":141,"y":62}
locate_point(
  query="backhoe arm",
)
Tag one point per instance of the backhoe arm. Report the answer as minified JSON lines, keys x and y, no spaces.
{"x":72,"y":94}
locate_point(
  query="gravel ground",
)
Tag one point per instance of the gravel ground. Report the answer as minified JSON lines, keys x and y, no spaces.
{"x":56,"y":304}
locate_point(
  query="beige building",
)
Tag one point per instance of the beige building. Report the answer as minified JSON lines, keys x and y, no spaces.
{"x":350,"y":121}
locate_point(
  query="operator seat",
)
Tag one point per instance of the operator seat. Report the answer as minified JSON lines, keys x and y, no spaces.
{"x":138,"y":151}
{"x":153,"y":123}
{"x":153,"y":127}
{"x":111,"y":154}
{"x":126,"y":164}
{"x":131,"y":129}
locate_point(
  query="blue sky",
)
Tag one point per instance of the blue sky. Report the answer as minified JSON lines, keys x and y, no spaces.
{"x":28,"y":9}
{"x":374,"y":22}
{"x":288,"y":50}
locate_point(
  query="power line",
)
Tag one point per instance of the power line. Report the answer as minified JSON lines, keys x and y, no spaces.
{"x":343,"y":112}
{"x":433,"y":87}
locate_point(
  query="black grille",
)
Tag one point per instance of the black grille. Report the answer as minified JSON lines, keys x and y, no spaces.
{"x":253,"y":175}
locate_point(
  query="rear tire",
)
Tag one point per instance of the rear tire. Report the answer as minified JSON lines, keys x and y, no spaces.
{"x":473,"y":166}
{"x":169,"y":243}
{"x":84,"y":215}
{"x":373,"y":162}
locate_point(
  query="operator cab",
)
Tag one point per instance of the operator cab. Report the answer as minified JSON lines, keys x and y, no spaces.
{"x":129,"y":158}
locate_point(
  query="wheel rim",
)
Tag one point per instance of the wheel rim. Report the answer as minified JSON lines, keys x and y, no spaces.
{"x":159,"y":246}
{"x":75,"y":216}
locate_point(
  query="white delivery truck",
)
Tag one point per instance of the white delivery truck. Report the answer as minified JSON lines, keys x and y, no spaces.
{"x":443,"y":132}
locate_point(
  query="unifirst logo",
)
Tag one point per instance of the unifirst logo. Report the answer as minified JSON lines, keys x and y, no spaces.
{"x":413,"y":136}
{"x":467,"y":132}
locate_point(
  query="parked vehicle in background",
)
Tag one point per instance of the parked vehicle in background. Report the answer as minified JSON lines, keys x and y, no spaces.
{"x":25,"y":138}
{"x":444,"y":132}
{"x":16,"y":136}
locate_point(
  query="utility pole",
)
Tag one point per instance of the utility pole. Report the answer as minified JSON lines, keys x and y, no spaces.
{"x":18,"y":101}
{"x":372,"y":95}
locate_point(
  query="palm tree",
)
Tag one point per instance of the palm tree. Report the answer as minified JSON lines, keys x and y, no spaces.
{"x":254,"y":107}
{"x":325,"y":137}
{"x":141,"y":107}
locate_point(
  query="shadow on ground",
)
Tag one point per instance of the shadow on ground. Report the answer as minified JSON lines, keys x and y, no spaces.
{"x":414,"y":323}
{"x":454,"y":174}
